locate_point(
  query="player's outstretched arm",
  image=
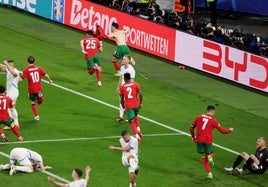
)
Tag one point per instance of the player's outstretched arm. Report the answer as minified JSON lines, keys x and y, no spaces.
{"x":48,"y":78}
{"x":53,"y":181}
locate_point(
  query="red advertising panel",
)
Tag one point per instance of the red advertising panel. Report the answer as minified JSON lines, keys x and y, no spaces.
{"x":223,"y":61}
{"x":144,"y":35}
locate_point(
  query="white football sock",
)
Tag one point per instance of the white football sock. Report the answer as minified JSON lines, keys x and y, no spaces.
{"x":14,"y":115}
{"x":121,"y":111}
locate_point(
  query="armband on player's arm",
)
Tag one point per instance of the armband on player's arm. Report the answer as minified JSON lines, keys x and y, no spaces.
{"x":192,"y":132}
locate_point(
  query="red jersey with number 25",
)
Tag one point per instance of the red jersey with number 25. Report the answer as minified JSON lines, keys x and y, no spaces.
{"x":205,"y":124}
{"x":130,"y":90}
{"x":5,"y":102}
{"x":34,"y":75}
{"x":91,"y":46}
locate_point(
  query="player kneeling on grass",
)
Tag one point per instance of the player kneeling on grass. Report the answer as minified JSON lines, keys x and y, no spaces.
{"x":256,"y":164}
{"x":130,"y":149}
{"x":76,"y":175}
{"x":28,"y":160}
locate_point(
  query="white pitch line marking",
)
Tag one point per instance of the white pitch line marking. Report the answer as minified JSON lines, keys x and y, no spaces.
{"x":86,"y":138}
{"x":142,"y":117}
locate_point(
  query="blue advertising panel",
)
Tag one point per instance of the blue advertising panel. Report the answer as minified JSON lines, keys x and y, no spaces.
{"x":38,"y":7}
{"x":248,"y":6}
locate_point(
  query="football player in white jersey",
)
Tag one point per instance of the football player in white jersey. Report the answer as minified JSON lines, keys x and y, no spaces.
{"x":12,"y":81}
{"x":27,"y":159}
{"x":77,"y":180}
{"x":130,"y":149}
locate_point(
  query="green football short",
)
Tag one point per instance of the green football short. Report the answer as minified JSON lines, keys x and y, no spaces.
{"x":7,"y":122}
{"x":204,"y":148}
{"x":121,"y":51}
{"x":35,"y":96}
{"x":93,"y":60}
{"x":131,"y":113}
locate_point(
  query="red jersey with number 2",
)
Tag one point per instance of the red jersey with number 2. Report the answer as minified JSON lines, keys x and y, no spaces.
{"x":130,"y":90}
{"x":91,"y":46}
{"x":34,"y":75}
{"x":5,"y":102}
{"x":205,"y":124}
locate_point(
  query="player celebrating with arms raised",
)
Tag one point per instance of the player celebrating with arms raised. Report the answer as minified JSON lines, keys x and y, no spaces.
{"x":205,"y":123}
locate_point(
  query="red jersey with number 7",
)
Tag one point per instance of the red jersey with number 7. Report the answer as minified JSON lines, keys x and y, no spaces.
{"x":5,"y":103}
{"x":34,"y":75}
{"x":205,"y":124}
{"x":91,"y":46}
{"x":130,"y":90}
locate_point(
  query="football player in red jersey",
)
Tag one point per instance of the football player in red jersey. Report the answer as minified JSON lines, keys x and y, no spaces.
{"x":34,"y":75}
{"x":5,"y":103}
{"x":91,"y":46}
{"x":205,"y":123}
{"x":131,"y":100}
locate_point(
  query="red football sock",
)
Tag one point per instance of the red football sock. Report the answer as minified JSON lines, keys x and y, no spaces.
{"x":91,"y":71}
{"x":206,"y":164}
{"x":34,"y":109}
{"x":40,"y":100}
{"x":116,"y":65}
{"x":16,"y":131}
{"x":137,"y":121}
{"x":98,"y":73}
{"x":133,"y":127}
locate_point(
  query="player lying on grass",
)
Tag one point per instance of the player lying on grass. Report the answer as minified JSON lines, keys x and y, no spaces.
{"x":77,"y":180}
{"x":256,"y":164}
{"x":28,"y":161}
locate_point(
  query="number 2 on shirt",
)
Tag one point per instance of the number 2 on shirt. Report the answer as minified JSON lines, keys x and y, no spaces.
{"x":129,"y":91}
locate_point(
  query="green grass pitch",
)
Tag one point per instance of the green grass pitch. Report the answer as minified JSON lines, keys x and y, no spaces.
{"x":78,"y":119}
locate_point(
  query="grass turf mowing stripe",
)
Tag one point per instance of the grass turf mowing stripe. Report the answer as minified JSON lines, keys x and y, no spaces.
{"x":142,"y":117}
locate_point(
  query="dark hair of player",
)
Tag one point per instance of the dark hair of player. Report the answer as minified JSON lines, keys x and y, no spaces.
{"x":115,"y":25}
{"x":10,"y":61}
{"x":79,"y":172}
{"x":90,"y":32}
{"x":127,"y":76}
{"x":124,"y":132}
{"x":210,"y":107}
{"x":2,"y":89}
{"x":31,"y":59}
